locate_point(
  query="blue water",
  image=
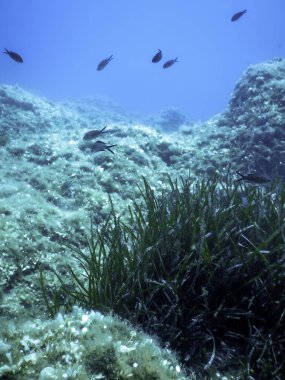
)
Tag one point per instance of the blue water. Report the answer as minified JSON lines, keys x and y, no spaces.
{"x":62,"y":42}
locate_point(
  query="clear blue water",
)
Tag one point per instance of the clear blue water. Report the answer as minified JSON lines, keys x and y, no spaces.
{"x":62,"y":42}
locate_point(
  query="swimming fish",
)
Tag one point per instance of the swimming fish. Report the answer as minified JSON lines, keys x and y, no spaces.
{"x":90,"y":135}
{"x":104,"y":63}
{"x":238,"y":15}
{"x":65,"y":188}
{"x":99,"y":146}
{"x":253,"y":178}
{"x":15,"y":56}
{"x":157,"y":57}
{"x":170,"y":63}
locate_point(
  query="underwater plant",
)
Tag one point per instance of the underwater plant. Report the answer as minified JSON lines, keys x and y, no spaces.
{"x":200,"y":265}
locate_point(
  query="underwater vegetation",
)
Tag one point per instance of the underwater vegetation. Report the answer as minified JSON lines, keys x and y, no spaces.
{"x":201,"y":266}
{"x":146,"y":281}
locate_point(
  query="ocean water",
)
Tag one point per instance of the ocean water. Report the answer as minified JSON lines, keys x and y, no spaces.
{"x":95,"y":97}
{"x":62,"y":42}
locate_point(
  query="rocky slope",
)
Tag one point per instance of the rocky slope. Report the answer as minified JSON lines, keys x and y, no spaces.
{"x":52,"y":183}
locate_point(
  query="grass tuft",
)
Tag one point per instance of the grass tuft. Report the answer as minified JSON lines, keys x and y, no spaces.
{"x":201,"y":266}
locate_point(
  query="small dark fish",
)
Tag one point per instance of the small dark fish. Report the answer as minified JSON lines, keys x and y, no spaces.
{"x":90,"y":135}
{"x":238,"y":15}
{"x":99,"y":146}
{"x":170,"y":63}
{"x":104,"y":63}
{"x":65,"y":188}
{"x":157,"y":57}
{"x":253,"y":178}
{"x":15,"y":56}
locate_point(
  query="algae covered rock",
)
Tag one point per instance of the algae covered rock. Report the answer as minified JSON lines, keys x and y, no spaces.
{"x":249,"y":135}
{"x":256,"y":115}
{"x":83,"y":345}
{"x":50,"y":187}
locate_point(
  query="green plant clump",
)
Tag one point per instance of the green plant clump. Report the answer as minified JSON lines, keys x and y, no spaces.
{"x":201,"y":266}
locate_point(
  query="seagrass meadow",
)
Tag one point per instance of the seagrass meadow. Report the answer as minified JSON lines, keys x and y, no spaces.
{"x":201,"y":266}
{"x":150,"y":263}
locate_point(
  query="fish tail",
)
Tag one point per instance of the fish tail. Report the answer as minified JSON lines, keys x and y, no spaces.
{"x":6,"y":51}
{"x":241,"y":175}
{"x":102,"y":130}
{"x":110,"y":58}
{"x":111,"y":146}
